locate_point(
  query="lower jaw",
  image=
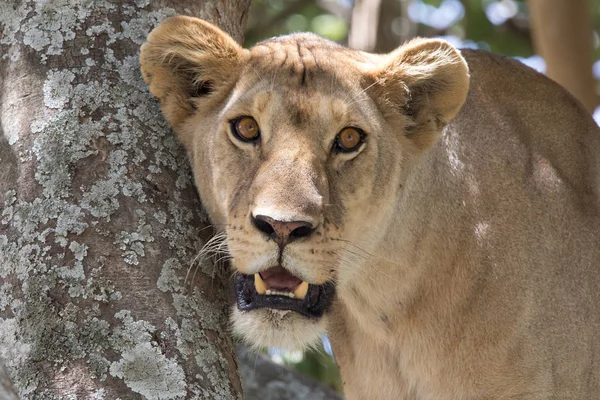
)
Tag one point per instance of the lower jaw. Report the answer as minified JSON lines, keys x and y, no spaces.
{"x":317,"y":300}
{"x":262,"y":328}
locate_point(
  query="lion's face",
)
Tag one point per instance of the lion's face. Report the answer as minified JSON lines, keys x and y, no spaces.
{"x":299,"y":149}
{"x":295,"y":199}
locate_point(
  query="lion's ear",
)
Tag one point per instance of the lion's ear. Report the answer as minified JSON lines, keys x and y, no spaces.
{"x":185,"y":59}
{"x":428,"y":81}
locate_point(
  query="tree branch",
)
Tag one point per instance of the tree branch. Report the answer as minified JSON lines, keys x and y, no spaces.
{"x":364,"y":25}
{"x":265,"y":380}
{"x":563,"y":37}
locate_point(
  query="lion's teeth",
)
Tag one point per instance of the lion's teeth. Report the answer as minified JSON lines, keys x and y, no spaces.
{"x":259,"y":285}
{"x":270,"y":292}
{"x":261,"y":288}
{"x":301,"y":290}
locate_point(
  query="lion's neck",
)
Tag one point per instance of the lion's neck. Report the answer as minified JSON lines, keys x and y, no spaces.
{"x":406,"y":294}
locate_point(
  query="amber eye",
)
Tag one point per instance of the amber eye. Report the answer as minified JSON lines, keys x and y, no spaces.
{"x":245,"y":128}
{"x":349,"y":140}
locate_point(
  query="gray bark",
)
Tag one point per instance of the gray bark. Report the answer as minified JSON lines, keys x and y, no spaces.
{"x":7,"y":392}
{"x":99,"y":219}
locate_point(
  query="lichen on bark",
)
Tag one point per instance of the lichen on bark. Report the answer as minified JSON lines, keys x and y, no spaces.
{"x":99,"y":219}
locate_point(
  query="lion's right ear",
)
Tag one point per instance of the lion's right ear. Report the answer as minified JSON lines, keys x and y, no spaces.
{"x":428,"y":81}
{"x":185,"y":60}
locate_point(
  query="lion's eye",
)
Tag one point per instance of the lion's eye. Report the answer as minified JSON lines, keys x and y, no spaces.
{"x":349,"y":140}
{"x":245,"y":128}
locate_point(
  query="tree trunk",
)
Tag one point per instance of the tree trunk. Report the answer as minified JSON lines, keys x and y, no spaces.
{"x":562,"y":35}
{"x":99,"y":219}
{"x":394,"y":27}
{"x":380,"y":25}
{"x":265,"y":380}
{"x":364,"y":25}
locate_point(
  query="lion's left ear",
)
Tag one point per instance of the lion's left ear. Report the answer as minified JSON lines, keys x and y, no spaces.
{"x":186,"y":60}
{"x":428,"y":80}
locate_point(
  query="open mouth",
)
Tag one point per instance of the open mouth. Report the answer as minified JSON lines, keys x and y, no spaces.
{"x":276,"y":288}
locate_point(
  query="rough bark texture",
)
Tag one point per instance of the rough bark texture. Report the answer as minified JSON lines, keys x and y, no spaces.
{"x":562,"y":35}
{"x":99,"y":220}
{"x":7,"y":392}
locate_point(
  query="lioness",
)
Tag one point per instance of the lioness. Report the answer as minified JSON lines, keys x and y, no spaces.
{"x":435,"y":212}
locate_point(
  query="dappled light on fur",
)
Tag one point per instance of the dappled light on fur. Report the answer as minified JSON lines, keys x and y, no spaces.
{"x":544,"y":174}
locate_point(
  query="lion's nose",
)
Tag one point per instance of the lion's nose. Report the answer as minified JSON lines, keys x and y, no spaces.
{"x":283,"y":232}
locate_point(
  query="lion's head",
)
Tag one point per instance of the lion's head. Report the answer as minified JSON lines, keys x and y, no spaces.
{"x":299,"y":148}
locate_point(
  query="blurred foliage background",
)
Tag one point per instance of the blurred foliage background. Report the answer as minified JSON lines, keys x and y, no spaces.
{"x":500,"y":26}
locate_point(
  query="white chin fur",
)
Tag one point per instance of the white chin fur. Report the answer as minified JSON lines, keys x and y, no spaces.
{"x":276,"y":328}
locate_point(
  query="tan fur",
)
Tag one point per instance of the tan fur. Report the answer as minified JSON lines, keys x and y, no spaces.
{"x":465,"y":246}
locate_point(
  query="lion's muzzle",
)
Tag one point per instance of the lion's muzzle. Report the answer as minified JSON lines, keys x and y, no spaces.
{"x":283,"y":232}
{"x":276,"y":288}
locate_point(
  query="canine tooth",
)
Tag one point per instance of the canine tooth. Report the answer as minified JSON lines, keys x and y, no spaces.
{"x":301,"y":290}
{"x":259,"y":284}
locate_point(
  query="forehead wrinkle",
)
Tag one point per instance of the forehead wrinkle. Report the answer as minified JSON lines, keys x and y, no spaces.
{"x":306,"y":57}
{"x":297,"y":57}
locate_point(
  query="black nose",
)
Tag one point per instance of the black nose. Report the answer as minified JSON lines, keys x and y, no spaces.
{"x":283,"y":232}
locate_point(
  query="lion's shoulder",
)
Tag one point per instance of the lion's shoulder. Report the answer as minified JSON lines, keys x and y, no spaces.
{"x":519,"y":117}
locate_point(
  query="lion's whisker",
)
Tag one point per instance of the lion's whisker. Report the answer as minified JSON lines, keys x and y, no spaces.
{"x":363,"y":250}
{"x":351,"y":101}
{"x":371,"y":265}
{"x":211,"y":248}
